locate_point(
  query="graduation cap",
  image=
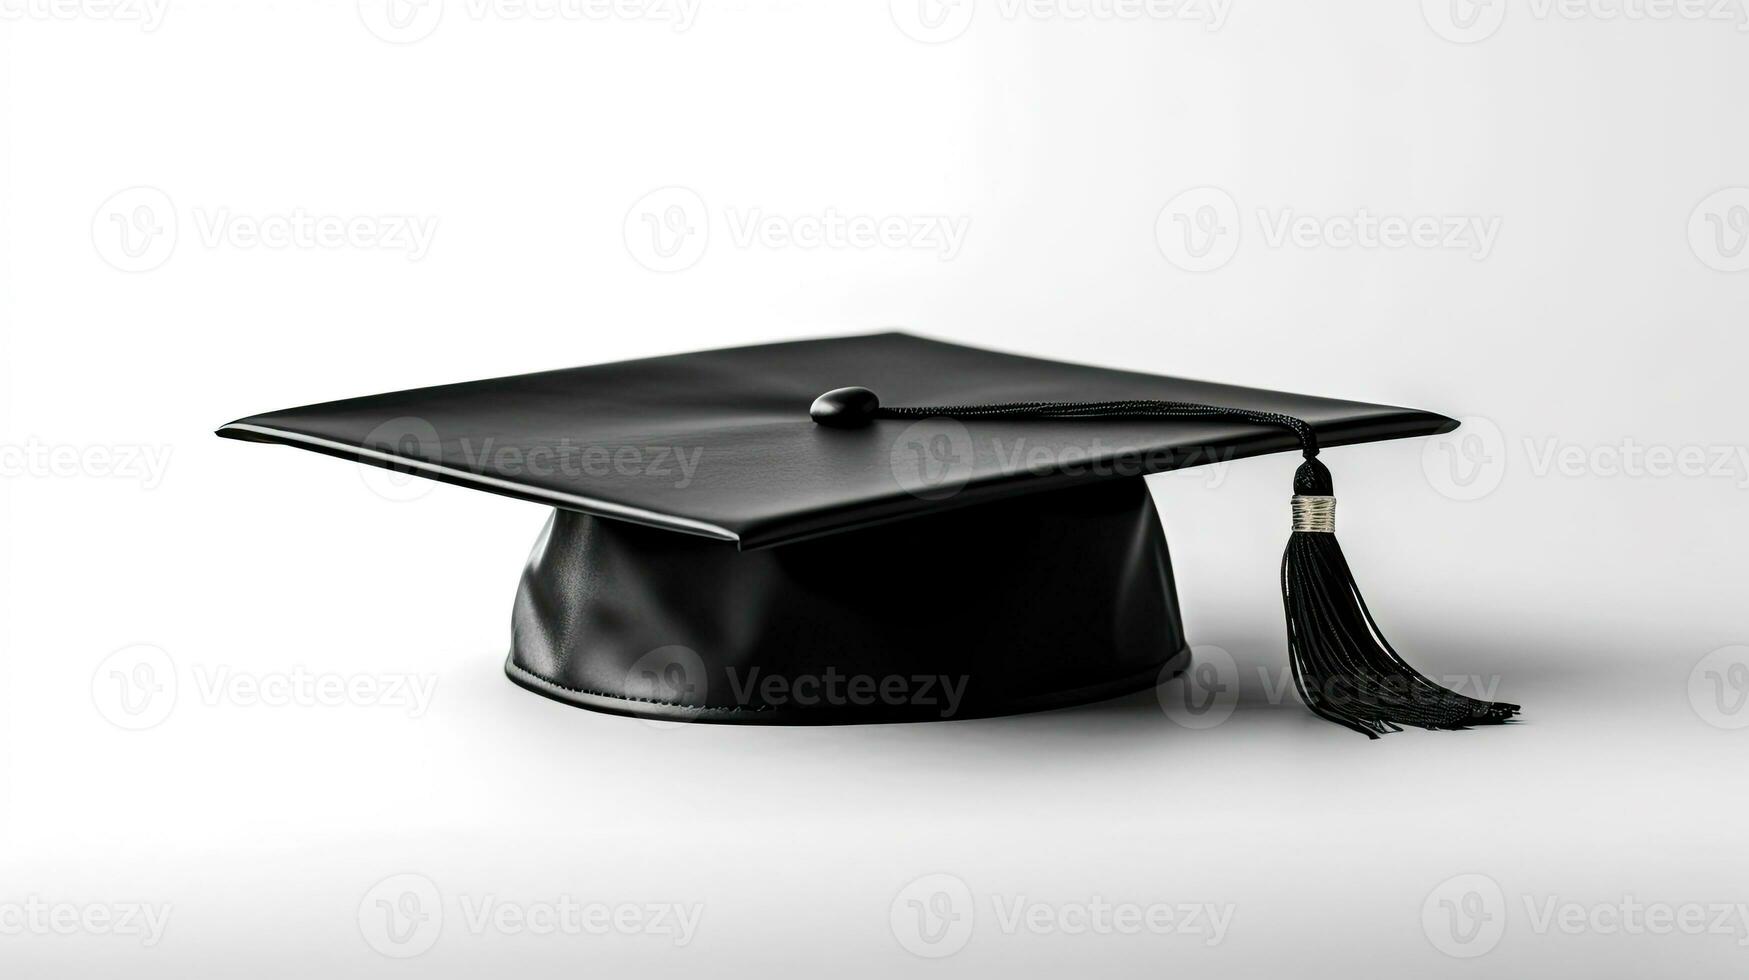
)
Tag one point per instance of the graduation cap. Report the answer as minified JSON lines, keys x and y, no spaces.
{"x":877,"y":528}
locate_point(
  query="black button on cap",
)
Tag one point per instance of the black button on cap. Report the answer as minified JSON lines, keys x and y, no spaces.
{"x":845,"y":408}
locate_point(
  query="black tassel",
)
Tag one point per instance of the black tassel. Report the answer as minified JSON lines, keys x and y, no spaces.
{"x":1343,"y":666}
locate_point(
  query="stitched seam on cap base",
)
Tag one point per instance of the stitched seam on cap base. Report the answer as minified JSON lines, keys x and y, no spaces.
{"x":620,"y":697}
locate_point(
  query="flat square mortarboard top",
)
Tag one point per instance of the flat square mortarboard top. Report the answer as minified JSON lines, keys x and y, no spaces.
{"x":1009,"y":553}
{"x":765,"y":474}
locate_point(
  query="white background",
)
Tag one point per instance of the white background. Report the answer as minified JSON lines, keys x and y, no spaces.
{"x":1605,"y":317}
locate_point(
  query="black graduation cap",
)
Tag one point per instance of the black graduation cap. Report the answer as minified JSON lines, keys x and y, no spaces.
{"x":876,"y":528}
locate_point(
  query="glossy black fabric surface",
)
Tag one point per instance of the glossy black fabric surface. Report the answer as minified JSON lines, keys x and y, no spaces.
{"x":765,"y":474}
{"x":1048,"y":600}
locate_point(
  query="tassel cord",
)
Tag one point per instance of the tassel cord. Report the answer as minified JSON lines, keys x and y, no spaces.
{"x":1132,"y":408}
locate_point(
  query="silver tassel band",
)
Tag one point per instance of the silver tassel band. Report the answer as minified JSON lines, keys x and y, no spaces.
{"x":1317,"y":514}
